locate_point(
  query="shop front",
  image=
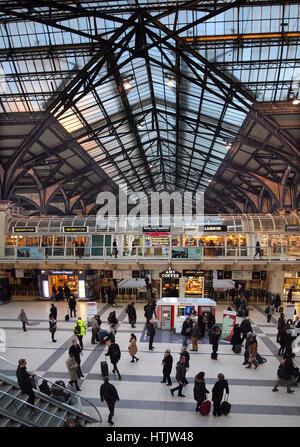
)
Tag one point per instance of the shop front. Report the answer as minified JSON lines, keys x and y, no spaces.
{"x":170,"y":283}
{"x":194,"y":283}
{"x":292,"y":282}
{"x":156,"y":241}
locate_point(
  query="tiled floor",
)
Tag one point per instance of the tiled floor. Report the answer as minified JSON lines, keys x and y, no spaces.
{"x":144,"y":400}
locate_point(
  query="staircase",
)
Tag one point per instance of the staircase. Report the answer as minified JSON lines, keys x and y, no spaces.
{"x":46,"y":412}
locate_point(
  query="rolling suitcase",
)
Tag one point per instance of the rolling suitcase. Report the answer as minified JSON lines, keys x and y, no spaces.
{"x":104,"y":368}
{"x":237,"y":349}
{"x":246,"y":312}
{"x":205,"y":407}
{"x":225,"y":406}
{"x":67,"y":317}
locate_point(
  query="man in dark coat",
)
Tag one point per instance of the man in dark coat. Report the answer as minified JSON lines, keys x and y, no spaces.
{"x":280,"y":326}
{"x":75,"y":350}
{"x":150,"y":333}
{"x":245,"y":328}
{"x":215,"y":345}
{"x":131,"y":314}
{"x":247,"y":348}
{"x":186,"y":331}
{"x":67,"y":291}
{"x":201,"y":325}
{"x":112,"y":319}
{"x":184,"y":353}
{"x":210,"y":320}
{"x":180,"y":377}
{"x":72,"y":306}
{"x":236,"y":337}
{"x":167,"y":367}
{"x":115,"y":355}
{"x":148,"y":312}
{"x":277,"y":302}
{"x":200,"y":390}
{"x":109,"y":393}
{"x":53,"y":312}
{"x":284,"y":373}
{"x":25,"y":380}
{"x":217,"y":393}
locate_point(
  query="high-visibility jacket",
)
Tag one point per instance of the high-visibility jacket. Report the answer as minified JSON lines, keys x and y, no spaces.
{"x":82,"y":327}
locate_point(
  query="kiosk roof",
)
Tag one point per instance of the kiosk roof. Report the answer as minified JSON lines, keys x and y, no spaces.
{"x":187,"y":301}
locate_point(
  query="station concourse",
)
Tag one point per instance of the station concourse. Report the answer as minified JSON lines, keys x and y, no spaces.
{"x":149,"y":154}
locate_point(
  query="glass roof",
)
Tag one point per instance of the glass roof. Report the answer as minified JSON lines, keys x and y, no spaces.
{"x":152,"y":136}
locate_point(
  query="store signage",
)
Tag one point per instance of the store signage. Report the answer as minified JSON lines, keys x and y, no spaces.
{"x":227,"y":274}
{"x":91,"y":309}
{"x":61,"y":272}
{"x":135,"y":273}
{"x":292,"y":227}
{"x":228,"y":323}
{"x":195,"y":273}
{"x":156,"y":231}
{"x":75,"y":229}
{"x":170,"y":274}
{"x":24,"y":229}
{"x":215,"y":228}
{"x":109,"y":273}
{"x":255,"y":275}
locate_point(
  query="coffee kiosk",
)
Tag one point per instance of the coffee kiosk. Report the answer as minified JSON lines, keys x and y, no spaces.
{"x":172,"y":312}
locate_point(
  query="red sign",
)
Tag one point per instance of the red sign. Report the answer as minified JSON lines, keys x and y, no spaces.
{"x":156,"y":234}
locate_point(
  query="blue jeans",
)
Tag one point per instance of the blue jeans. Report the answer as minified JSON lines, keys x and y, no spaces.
{"x":184,"y":340}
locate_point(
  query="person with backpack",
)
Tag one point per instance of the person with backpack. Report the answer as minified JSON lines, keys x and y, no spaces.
{"x":252,"y":352}
{"x":80,"y":331}
{"x":180,"y":377}
{"x":217,"y":394}
{"x":131,"y":312}
{"x":200,"y":390}
{"x":236,"y":339}
{"x":72,"y":306}
{"x":112,"y":319}
{"x":109,"y":393}
{"x":133,"y":348}
{"x":167,"y":367}
{"x":114,"y":354}
{"x":186,"y":331}
{"x":52,"y":327}
{"x":215,"y":335}
{"x":284,"y":373}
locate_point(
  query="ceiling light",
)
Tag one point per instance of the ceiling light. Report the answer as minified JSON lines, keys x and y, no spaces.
{"x":228,"y":145}
{"x":171,"y":83}
{"x":127,"y":85}
{"x":296,"y":101}
{"x":140,"y":126}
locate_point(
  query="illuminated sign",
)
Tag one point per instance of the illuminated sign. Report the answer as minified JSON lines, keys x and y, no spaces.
{"x":24,"y":229}
{"x":170,"y":274}
{"x":215,"y":228}
{"x":292,"y":227}
{"x":195,"y":273}
{"x":156,"y":231}
{"x":75,"y":229}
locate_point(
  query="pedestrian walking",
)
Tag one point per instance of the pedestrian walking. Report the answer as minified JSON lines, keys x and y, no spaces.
{"x":114,"y":354}
{"x":252,"y":352}
{"x":216,"y":334}
{"x":269,"y":311}
{"x":23,"y":317}
{"x":245,"y":328}
{"x":131,"y":312}
{"x":186,"y":331}
{"x":148,"y":312}
{"x":284,"y":373}
{"x":284,"y":340}
{"x":280,"y":325}
{"x":200,"y":390}
{"x":72,"y":306}
{"x":112,"y":319}
{"x":211,"y":320}
{"x":72,"y":369}
{"x":109,"y":393}
{"x":67,"y":291}
{"x":133,"y":348}
{"x":236,"y":337}
{"x":217,"y":394}
{"x":151,"y":333}
{"x":167,"y":367}
{"x":25,"y":381}
{"x":184,"y":353}
{"x":180,"y":377}
{"x":196,"y":333}
{"x":247,"y":348}
{"x":52,"y":327}
{"x":75,"y":350}
{"x":277,"y":302}
{"x":80,"y":331}
{"x":201,"y":325}
{"x":95,"y":329}
{"x":257,"y":250}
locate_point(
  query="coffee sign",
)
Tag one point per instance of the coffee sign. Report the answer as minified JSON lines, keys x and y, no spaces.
{"x":170,"y":274}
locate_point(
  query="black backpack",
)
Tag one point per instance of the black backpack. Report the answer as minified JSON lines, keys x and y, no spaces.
{"x":77,"y":329}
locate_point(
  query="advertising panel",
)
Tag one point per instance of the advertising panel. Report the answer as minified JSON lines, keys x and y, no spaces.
{"x":228,"y":323}
{"x":30,"y":252}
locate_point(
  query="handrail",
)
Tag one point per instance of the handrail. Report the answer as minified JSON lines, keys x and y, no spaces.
{"x":33,"y":406}
{"x":57,"y":385}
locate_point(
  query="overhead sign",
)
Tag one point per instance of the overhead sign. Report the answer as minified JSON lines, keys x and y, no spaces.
{"x":195,"y":273}
{"x":75,"y":229}
{"x":170,"y":274}
{"x":215,"y":228}
{"x":62,"y":272}
{"x":24,"y":229}
{"x":292,"y":227}
{"x":156,"y":231}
